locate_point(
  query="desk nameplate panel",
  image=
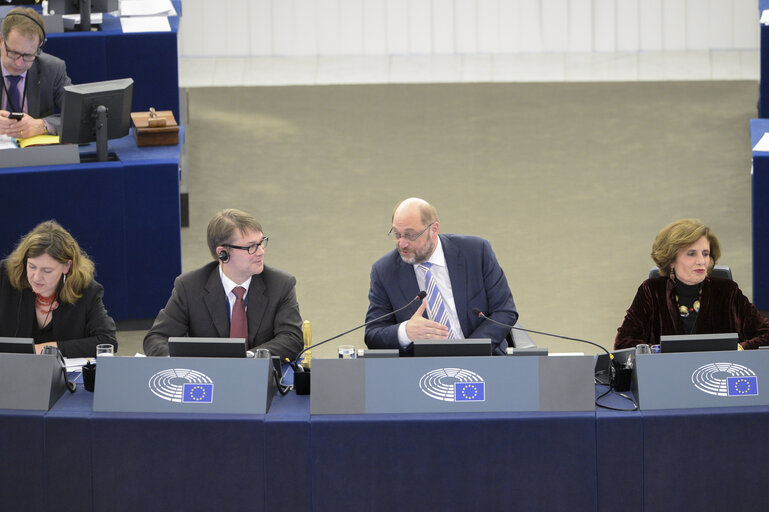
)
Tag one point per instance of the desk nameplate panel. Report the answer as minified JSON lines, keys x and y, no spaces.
{"x":452,"y":384}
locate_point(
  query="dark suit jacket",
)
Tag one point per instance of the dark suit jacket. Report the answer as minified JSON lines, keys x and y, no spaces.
{"x":198,"y":308}
{"x":477,"y":281}
{"x":723,"y":308}
{"x":77,"y":327}
{"x":46,"y":80}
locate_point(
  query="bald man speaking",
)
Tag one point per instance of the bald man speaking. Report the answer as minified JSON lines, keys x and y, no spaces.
{"x":459,"y":273}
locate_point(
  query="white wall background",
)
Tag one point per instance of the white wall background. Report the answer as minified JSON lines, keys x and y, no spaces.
{"x":445,"y":27}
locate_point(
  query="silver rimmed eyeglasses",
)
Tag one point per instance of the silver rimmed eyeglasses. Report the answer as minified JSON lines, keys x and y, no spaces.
{"x":411,"y":237}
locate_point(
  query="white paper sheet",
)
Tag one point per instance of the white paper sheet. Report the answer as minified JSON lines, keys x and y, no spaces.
{"x":763,"y":144}
{"x":6,"y":142}
{"x":147,"y":8}
{"x":765,"y":17}
{"x":145,"y":24}
{"x":96,"y":18}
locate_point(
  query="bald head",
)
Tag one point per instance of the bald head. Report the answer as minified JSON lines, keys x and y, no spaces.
{"x":415,"y":207}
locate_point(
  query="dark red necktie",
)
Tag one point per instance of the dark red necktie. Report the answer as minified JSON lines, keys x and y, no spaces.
{"x":238,"y":323}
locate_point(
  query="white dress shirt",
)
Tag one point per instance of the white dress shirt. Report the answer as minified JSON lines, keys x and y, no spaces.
{"x":230,"y":285}
{"x":443,"y":281}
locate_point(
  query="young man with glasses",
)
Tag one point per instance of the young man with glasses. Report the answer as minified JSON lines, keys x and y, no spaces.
{"x":457,"y":272}
{"x":234,"y":296}
{"x":33,"y":82}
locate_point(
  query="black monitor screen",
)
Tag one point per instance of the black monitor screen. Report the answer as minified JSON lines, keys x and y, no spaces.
{"x":699,"y":342}
{"x":17,"y":345}
{"x":207,"y":347}
{"x":79,"y":119}
{"x":443,"y":348}
{"x":73,"y":6}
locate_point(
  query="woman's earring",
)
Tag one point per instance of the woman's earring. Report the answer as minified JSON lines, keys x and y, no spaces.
{"x":65,"y":279}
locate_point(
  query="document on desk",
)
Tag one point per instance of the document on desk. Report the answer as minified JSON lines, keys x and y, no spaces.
{"x":763,"y":144}
{"x":6,"y":142}
{"x":145,"y":24}
{"x":96,"y":18}
{"x":147,"y":8}
{"x":765,"y":17}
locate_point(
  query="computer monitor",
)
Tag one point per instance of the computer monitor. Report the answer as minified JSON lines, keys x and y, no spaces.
{"x":82,"y":7}
{"x":96,"y":111}
{"x":206,"y":347}
{"x":699,"y":342}
{"x":17,"y":345}
{"x":444,"y":348}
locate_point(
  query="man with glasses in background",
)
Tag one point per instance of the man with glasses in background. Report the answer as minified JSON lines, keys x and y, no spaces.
{"x":33,"y":82}
{"x":234,"y":296}
{"x":457,"y":272}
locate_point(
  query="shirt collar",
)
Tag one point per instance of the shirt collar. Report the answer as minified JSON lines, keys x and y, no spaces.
{"x":437,"y":257}
{"x":7,"y":73}
{"x":229,"y":284}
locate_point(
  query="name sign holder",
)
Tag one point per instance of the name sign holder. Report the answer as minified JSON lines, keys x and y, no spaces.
{"x":183,"y":385}
{"x":30,"y":381}
{"x":701,"y":379}
{"x":452,"y":384}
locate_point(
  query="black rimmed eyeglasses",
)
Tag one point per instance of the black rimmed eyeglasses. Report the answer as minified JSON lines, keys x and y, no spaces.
{"x":251,"y":249}
{"x":26,"y":57}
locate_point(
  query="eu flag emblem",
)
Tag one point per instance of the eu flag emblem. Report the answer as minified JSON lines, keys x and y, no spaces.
{"x":198,"y":393}
{"x":469,"y":391}
{"x":743,"y":386}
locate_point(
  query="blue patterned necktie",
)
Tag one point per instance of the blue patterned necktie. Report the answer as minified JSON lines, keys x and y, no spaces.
{"x":14,"y":101}
{"x":435,"y":307}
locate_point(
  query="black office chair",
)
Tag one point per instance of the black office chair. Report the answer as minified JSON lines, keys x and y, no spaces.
{"x":721,"y":271}
{"x":519,"y":339}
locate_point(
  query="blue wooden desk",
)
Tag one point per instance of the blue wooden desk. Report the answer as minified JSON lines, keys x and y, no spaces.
{"x":124,"y":214}
{"x":760,"y":189}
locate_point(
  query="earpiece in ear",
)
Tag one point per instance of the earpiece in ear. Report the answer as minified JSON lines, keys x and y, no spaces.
{"x":223,"y":256}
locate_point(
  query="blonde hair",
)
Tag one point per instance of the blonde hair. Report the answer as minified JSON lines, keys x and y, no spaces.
{"x":680,"y":235}
{"x":50,"y":238}
{"x":21,"y":20}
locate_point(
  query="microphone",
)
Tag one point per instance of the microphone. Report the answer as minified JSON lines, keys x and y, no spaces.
{"x":477,"y":312}
{"x":421,"y":295}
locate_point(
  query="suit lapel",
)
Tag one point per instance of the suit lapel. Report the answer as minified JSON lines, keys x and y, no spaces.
{"x":33,"y":90}
{"x":26,"y":313}
{"x":256,"y":306}
{"x":457,"y":266}
{"x":216,"y":303}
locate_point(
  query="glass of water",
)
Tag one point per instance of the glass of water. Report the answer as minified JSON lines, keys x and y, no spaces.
{"x":105,"y":350}
{"x":346,"y":352}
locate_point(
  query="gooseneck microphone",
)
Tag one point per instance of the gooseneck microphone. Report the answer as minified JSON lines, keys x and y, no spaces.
{"x":421,"y":295}
{"x":477,"y":312}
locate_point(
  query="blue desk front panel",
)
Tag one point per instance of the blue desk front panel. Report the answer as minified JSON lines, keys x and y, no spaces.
{"x":68,"y":458}
{"x":462,"y":461}
{"x":22,"y":451}
{"x":763,"y":90}
{"x":760,"y":194}
{"x":706,"y":459}
{"x":124,"y":214}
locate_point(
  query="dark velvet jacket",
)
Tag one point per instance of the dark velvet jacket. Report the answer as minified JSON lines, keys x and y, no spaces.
{"x":723,"y":309}
{"x":77,"y":328}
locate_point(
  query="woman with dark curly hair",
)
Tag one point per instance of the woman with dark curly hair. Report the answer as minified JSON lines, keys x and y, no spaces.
{"x":685,"y":298}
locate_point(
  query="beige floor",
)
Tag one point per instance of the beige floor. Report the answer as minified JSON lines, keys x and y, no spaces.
{"x":569,"y":181}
